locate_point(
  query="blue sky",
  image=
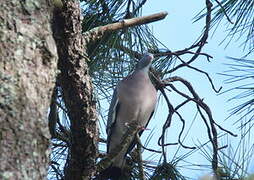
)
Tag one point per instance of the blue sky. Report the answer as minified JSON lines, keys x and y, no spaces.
{"x":178,"y":31}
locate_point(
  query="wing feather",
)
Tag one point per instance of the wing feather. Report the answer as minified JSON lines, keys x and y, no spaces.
{"x":112,"y":116}
{"x":133,"y":143}
{"x":112,"y":111}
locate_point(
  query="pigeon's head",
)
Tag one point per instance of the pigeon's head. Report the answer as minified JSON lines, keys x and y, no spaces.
{"x":145,"y":61}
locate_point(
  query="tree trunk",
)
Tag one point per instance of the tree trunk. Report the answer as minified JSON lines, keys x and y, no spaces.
{"x":76,"y":84}
{"x":27,"y":77}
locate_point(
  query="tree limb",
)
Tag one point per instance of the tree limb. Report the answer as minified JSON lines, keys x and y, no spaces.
{"x":98,"y":32}
{"x":76,"y":84}
{"x":133,"y":128}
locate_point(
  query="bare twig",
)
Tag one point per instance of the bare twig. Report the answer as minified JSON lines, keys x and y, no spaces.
{"x":140,"y":163}
{"x":148,"y":149}
{"x":181,"y":132}
{"x":181,"y":52}
{"x":166,"y":124}
{"x":200,"y":44}
{"x":203,"y":72}
{"x":195,"y":98}
{"x":213,"y":139}
{"x":211,"y":130}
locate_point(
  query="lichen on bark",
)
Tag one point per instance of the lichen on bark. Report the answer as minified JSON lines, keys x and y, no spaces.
{"x":27,"y":76}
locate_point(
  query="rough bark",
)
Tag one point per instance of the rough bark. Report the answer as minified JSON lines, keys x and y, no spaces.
{"x":75,"y":82}
{"x":27,"y":75}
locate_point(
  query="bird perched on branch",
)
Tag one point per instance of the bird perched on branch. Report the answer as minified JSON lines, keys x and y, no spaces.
{"x":134,"y":99}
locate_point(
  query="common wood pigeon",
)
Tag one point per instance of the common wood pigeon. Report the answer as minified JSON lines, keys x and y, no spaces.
{"x":134,"y":99}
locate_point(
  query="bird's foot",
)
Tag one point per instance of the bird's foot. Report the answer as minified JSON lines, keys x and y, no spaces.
{"x":144,"y":128}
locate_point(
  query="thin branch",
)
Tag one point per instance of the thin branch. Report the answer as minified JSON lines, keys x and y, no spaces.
{"x":208,"y":77}
{"x":166,"y":124}
{"x":195,"y":98}
{"x":148,"y":149}
{"x":98,"y":32}
{"x":212,"y":133}
{"x":181,"y":52}
{"x":213,"y":139}
{"x":140,"y":164}
{"x":181,"y":132}
{"x":203,"y":72}
{"x":183,"y":103}
{"x":200,"y":44}
{"x":133,"y":128}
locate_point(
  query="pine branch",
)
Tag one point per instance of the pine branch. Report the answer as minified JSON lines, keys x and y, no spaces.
{"x":99,"y":32}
